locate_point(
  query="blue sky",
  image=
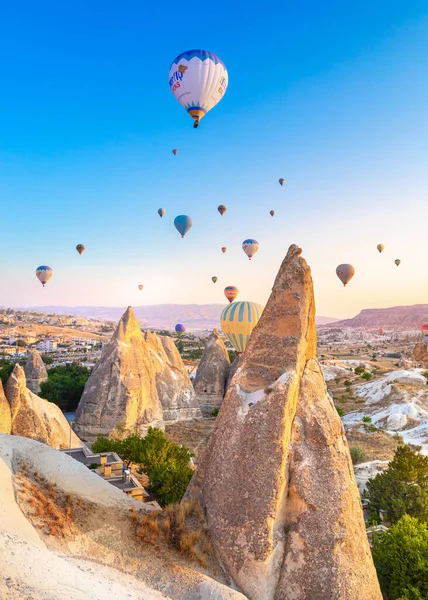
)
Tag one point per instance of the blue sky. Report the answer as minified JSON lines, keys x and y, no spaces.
{"x":331,"y":97}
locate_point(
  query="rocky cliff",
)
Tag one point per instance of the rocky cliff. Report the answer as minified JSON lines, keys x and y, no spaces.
{"x":277,"y":481}
{"x":36,"y":418}
{"x":35,"y":371}
{"x":120,"y":395}
{"x":212,"y":374}
{"x":420,"y":353}
{"x":174,"y":388}
{"x":5,"y":417}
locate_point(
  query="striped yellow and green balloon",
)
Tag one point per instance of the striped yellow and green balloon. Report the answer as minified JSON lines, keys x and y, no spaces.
{"x":238,"y":321}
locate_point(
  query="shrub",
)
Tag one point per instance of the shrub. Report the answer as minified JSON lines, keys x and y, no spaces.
{"x":401,"y":559}
{"x":366,"y":375}
{"x":348,"y":383}
{"x":215,"y":412}
{"x":64,"y":385}
{"x":358,"y":455}
{"x":340,"y":411}
{"x":359,"y":370}
{"x":367,"y":419}
{"x":425,"y":374}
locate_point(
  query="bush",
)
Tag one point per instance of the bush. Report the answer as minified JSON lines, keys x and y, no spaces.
{"x":64,"y":386}
{"x":425,"y":374}
{"x":166,"y":464}
{"x":6,"y":369}
{"x":358,"y":455}
{"x":348,"y":383}
{"x":366,"y":375}
{"x":367,"y":419}
{"x":215,"y":412}
{"x":401,"y":559}
{"x":403,"y":487}
{"x":340,"y":411}
{"x":359,"y":370}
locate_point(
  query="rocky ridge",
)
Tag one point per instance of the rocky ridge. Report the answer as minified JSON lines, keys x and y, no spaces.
{"x":35,"y":371}
{"x":212,"y":374}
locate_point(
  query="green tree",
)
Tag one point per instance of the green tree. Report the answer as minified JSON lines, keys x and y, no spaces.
{"x":6,"y":368}
{"x":403,"y":487}
{"x":401,"y":559}
{"x":64,"y":385}
{"x":358,"y":455}
{"x":340,"y":411}
{"x":166,"y":464}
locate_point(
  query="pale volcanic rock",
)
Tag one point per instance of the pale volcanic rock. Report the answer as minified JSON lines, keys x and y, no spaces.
{"x":420,"y":353}
{"x":212,"y":373}
{"x":174,"y":388}
{"x":5,"y":416}
{"x":36,"y":418}
{"x":35,"y":371}
{"x":120,"y":394}
{"x":276,"y":480}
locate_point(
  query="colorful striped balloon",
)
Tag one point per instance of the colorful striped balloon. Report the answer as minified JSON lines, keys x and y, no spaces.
{"x":238,"y":321}
{"x":231,"y":292}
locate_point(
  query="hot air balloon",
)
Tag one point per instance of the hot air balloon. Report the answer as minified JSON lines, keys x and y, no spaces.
{"x":221,"y":209}
{"x":238,"y":321}
{"x":180,"y":329}
{"x":271,"y":212}
{"x":345,"y":273}
{"x":43,"y":274}
{"x":140,"y":287}
{"x":281,"y":181}
{"x":80,"y":248}
{"x":397,"y":261}
{"x":214,"y":279}
{"x":380,"y":331}
{"x":250,"y":247}
{"x":231,"y":292}
{"x":425,"y":331}
{"x":224,"y":249}
{"x":380,"y":247}
{"x":198,"y":79}
{"x":161,"y":212}
{"x":182,"y":224}
{"x":175,"y":151}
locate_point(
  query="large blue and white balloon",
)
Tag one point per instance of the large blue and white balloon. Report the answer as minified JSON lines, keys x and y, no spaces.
{"x":182,"y":224}
{"x":198,"y":79}
{"x":43,"y":274}
{"x":250,"y":247}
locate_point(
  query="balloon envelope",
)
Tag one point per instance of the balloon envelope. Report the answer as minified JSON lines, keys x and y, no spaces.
{"x":250,"y":247}
{"x":238,"y":321}
{"x":224,"y":249}
{"x":271,"y":212}
{"x":43,"y":274}
{"x":214,"y":279}
{"x":182,"y":224}
{"x":198,"y":79}
{"x":380,"y":331}
{"x":80,"y":248}
{"x":281,"y":181}
{"x":345,"y":273}
{"x":425,"y":331}
{"x":140,"y":287}
{"x":231,"y":292}
{"x":397,"y":261}
{"x":221,"y":209}
{"x":175,"y":151}
{"x":380,"y":247}
{"x":180,"y":329}
{"x":161,"y":212}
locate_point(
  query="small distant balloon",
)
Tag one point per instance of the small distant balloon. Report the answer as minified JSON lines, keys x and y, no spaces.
{"x":271,"y":212}
{"x":224,"y":249}
{"x":43,"y":274}
{"x":214,"y":279}
{"x":175,"y":151}
{"x":380,"y":331}
{"x":80,"y":248}
{"x":425,"y":331}
{"x":140,"y":287}
{"x":345,"y":273}
{"x":380,"y":247}
{"x":397,"y":261}
{"x":222,"y":209}
{"x":281,"y":181}
{"x":231,"y":292}
{"x":161,"y":212}
{"x":182,"y":224}
{"x":180,"y":329}
{"x":250,"y":247}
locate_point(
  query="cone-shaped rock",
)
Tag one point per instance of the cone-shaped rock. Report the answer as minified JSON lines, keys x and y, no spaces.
{"x":120,"y":394}
{"x":276,"y":480}
{"x":420,"y":353}
{"x":36,"y":418}
{"x":5,"y":416}
{"x":212,"y":373}
{"x":35,"y":371}
{"x":174,"y":388}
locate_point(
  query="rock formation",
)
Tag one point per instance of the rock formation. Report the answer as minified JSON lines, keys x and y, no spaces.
{"x":120,"y":395}
{"x":174,"y":388}
{"x":5,"y":418}
{"x":277,"y":481}
{"x":420,"y":353}
{"x":212,"y":374}
{"x":36,"y":418}
{"x":35,"y":371}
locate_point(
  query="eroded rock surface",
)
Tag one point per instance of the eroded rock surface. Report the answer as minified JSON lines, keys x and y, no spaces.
{"x":35,"y":371}
{"x":120,"y":395}
{"x":5,"y":416}
{"x":212,"y":373}
{"x":35,"y":418}
{"x":276,"y":480}
{"x":420,"y":353}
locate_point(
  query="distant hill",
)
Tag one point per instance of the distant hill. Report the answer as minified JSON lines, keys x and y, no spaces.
{"x":396,"y":317}
{"x":159,"y":316}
